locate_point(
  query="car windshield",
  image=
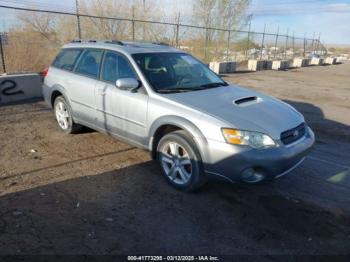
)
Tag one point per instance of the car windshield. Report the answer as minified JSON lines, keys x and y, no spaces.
{"x":176,"y":72}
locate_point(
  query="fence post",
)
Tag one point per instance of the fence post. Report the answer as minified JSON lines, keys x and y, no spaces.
{"x":312,"y":43}
{"x":133,"y":23}
{"x":143,"y":24}
{"x":206,"y":44}
{"x":228,"y":44}
{"x":2,"y":53}
{"x":262,"y":43}
{"x":324,"y":49}
{"x":304,"y":45}
{"x":293,"y":45}
{"x":248,"y":39}
{"x":177,"y":30}
{"x":78,"y":18}
{"x":276,"y":40}
{"x":318,"y":42}
{"x":286,"y":44}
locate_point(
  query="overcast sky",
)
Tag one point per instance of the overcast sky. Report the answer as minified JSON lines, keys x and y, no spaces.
{"x":331,"y":18}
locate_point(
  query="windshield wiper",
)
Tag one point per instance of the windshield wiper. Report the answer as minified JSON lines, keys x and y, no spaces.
{"x":215,"y":84}
{"x":175,"y":90}
{"x":201,"y":87}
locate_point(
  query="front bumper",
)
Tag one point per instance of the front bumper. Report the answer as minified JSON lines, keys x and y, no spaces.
{"x":230,"y":162}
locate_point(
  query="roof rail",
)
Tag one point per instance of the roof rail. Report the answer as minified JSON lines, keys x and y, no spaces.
{"x":92,"y":41}
{"x":160,"y":43}
{"x":76,"y":41}
{"x":114,"y":42}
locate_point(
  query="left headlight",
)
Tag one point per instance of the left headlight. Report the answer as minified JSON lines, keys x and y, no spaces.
{"x":250,"y":138}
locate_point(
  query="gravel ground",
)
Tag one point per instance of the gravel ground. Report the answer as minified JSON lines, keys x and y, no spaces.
{"x":91,"y":194}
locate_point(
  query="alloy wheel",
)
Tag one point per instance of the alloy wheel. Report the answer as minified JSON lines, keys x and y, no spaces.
{"x":62,"y":115}
{"x":176,"y":162}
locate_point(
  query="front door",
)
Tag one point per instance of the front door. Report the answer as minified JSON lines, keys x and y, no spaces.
{"x":120,"y":112}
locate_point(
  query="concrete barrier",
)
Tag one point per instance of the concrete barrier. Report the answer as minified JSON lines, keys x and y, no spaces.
{"x":223,"y":67}
{"x":300,"y":62}
{"x":280,"y":64}
{"x":257,"y":65}
{"x":297,"y":62}
{"x":329,"y":61}
{"x":315,"y":61}
{"x":15,"y":88}
{"x":306,"y":62}
{"x":338,"y":60}
{"x":267,"y":65}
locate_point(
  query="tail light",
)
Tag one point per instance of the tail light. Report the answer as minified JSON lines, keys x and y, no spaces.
{"x":44,"y":72}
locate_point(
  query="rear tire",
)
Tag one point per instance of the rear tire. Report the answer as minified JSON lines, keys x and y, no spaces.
{"x":63,"y":114}
{"x":180,"y":161}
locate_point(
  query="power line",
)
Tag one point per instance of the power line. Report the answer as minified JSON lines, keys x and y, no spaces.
{"x":26,"y":3}
{"x":299,"y":7}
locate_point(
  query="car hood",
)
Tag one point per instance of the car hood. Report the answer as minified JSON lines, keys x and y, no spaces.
{"x":242,"y":108}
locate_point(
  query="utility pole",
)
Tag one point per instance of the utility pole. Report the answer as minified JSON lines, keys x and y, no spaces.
{"x":78,"y":18}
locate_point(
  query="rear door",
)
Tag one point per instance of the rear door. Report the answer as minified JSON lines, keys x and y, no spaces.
{"x":82,"y":86}
{"x":61,"y":70}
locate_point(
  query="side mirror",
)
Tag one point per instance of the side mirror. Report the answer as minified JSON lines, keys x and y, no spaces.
{"x":127,"y":84}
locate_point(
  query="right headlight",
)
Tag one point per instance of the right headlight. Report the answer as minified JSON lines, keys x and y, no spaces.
{"x":249,"y":138}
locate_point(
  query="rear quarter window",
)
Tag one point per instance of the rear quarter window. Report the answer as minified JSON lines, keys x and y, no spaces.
{"x":66,"y":59}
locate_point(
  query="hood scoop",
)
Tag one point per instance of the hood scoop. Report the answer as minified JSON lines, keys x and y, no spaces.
{"x":246,"y":100}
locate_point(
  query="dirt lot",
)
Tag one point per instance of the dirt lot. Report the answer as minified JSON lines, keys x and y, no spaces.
{"x":91,"y":194}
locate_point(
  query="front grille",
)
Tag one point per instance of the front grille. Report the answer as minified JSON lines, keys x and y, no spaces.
{"x":294,"y":134}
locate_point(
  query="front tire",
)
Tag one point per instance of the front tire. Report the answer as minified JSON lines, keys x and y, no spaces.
{"x":180,"y":161}
{"x":63,"y":114}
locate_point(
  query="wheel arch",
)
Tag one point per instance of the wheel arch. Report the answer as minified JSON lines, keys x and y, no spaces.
{"x":58,"y":90}
{"x":53,"y":97}
{"x":167,"y":124}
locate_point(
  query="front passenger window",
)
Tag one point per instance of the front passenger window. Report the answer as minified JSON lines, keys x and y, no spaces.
{"x":115,"y":67}
{"x":124,"y":69}
{"x":89,"y":63}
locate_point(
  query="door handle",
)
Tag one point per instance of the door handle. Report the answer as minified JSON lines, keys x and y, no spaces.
{"x":101,"y":91}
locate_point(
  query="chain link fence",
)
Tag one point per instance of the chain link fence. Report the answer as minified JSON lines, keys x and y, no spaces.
{"x":32,"y":50}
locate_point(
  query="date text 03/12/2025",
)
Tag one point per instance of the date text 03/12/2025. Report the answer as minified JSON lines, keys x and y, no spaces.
{"x":173,"y":258}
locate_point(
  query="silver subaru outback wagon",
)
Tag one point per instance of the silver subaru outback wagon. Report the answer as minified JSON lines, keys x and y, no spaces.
{"x":163,"y":100}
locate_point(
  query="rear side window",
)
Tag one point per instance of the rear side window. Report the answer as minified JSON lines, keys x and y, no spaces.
{"x":89,"y":63}
{"x":116,"y":66}
{"x":66,"y":59}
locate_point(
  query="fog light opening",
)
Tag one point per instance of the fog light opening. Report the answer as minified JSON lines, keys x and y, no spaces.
{"x":250,"y":175}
